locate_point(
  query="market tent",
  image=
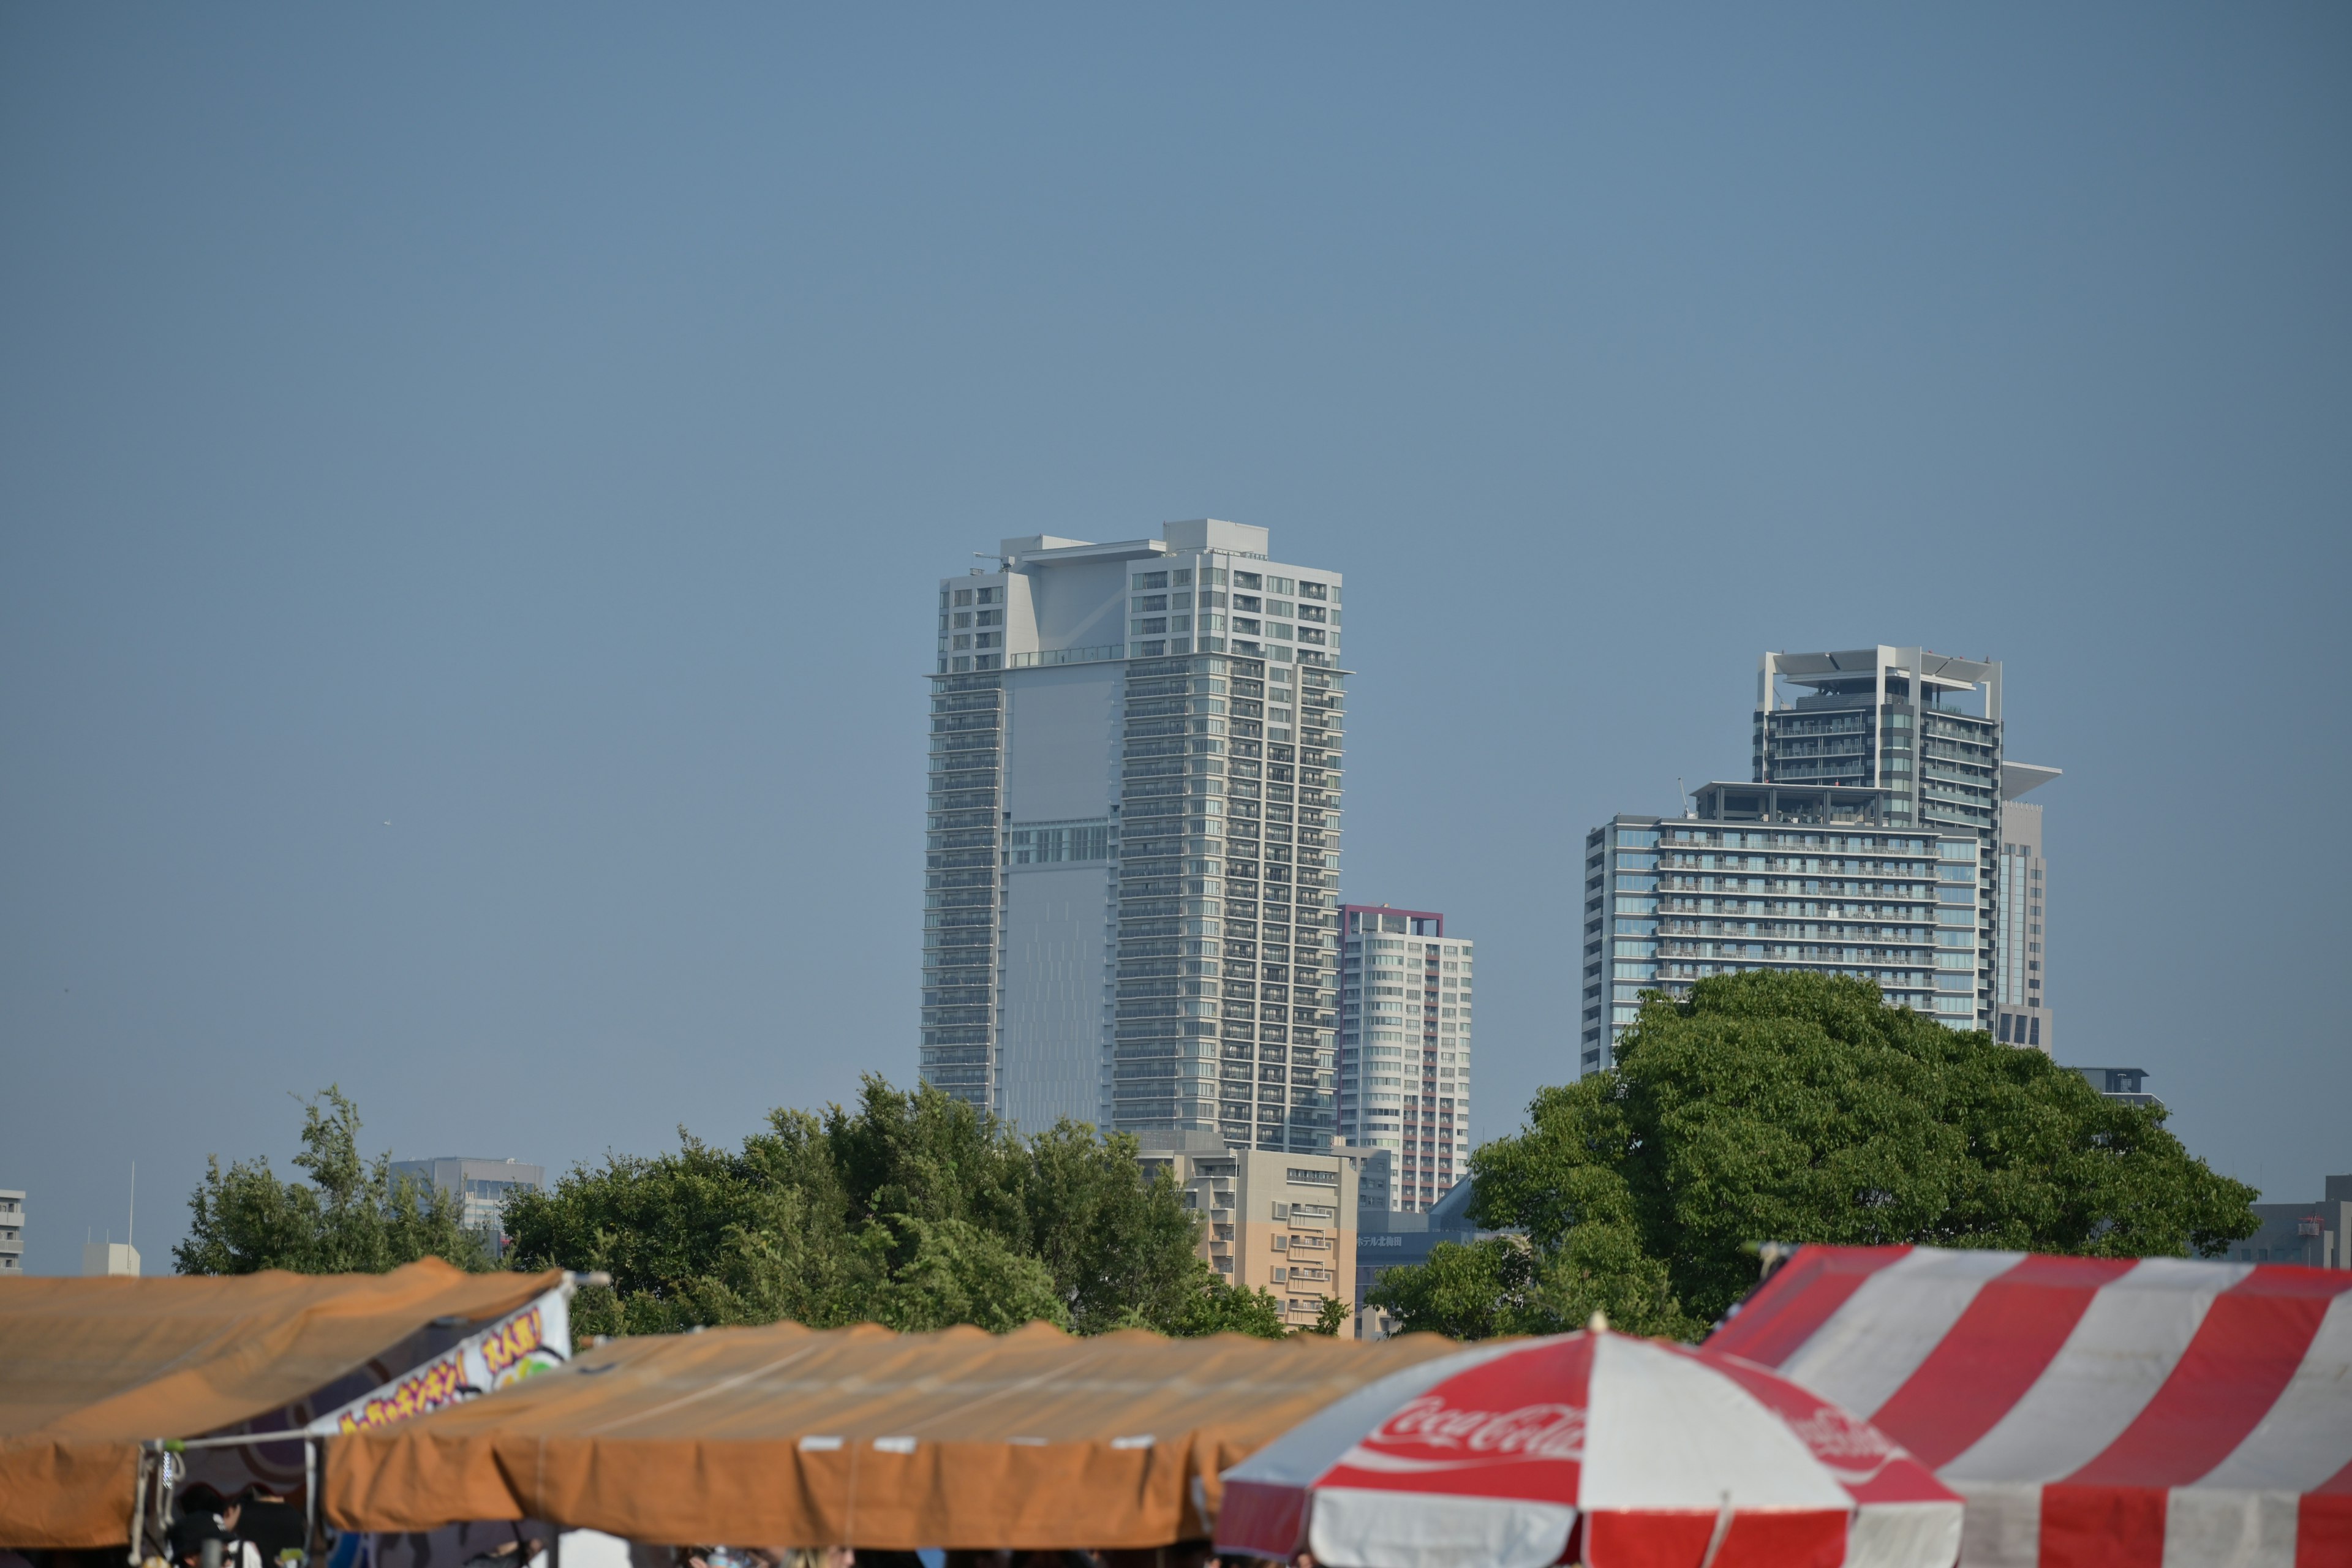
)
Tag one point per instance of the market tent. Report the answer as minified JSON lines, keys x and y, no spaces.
{"x":92,"y":1367}
{"x":2115,"y":1412}
{"x":789,"y":1435}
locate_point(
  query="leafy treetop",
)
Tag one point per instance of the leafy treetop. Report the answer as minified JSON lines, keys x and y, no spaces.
{"x":914,"y":1210}
{"x":352,"y":1217}
{"x":1800,"y":1108}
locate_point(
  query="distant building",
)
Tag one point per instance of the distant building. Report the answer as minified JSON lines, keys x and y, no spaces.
{"x":1280,"y":1221}
{"x":99,"y":1259}
{"x":481,"y":1186}
{"x":1134,"y":836}
{"x":2020,"y":955}
{"x":1405,"y":1017}
{"x":2317,"y":1235}
{"x":2116,"y":1083}
{"x":12,"y":1230}
{"x":1821,"y":877}
{"x":1389,"y":1241}
{"x":1375,"y":1176}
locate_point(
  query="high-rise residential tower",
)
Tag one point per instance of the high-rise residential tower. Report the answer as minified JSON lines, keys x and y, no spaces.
{"x":1405,"y":1015}
{"x":1879,"y":799}
{"x":1135,"y":835}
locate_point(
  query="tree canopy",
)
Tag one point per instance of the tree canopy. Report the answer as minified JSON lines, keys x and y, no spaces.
{"x":914,"y":1210}
{"x":1799,"y":1108}
{"x":356,"y":1218}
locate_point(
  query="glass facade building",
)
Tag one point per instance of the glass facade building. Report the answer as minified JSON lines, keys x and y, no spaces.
{"x":1406,"y":1004}
{"x":1134,"y":842}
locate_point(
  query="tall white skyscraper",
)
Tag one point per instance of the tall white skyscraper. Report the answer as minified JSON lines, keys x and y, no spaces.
{"x":1405,"y":1014}
{"x":1134,"y":836}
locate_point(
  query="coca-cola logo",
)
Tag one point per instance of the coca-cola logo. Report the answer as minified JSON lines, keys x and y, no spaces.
{"x":1843,"y":1443}
{"x":1531,"y":1431}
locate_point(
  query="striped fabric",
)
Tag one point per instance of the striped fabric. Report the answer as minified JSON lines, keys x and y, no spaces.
{"x":2095,"y":1412}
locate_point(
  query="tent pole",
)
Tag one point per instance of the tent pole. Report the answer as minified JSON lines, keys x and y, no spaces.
{"x":309,"y":1497}
{"x":139,"y":1503}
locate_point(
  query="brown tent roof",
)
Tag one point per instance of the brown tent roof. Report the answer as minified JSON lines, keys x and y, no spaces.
{"x":88,"y":1368}
{"x":788,"y":1435}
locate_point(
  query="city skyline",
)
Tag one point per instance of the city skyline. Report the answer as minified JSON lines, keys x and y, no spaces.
{"x":466,"y":577}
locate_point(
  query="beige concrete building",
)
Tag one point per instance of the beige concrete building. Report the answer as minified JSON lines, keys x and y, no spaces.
{"x":1278,"y":1221}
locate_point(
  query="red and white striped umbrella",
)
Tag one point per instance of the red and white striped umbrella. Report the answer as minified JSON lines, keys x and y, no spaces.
{"x":1637,"y":1453}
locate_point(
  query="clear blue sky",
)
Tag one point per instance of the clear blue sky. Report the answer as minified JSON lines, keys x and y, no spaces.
{"x":471,"y":480}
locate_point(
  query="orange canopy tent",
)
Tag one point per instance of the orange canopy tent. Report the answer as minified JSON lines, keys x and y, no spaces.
{"x":789,"y":1435}
{"x":94,"y":1367}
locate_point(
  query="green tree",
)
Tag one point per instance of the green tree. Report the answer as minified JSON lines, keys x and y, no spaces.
{"x":1331,"y":1317}
{"x":1217,"y":1308}
{"x":914,"y":1210}
{"x":352,"y":1217}
{"x":1800,"y":1108}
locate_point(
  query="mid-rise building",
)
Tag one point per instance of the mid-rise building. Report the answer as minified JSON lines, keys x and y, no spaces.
{"x":1821,"y":877}
{"x":12,"y":1230}
{"x":1389,"y":1241}
{"x":1134,"y":836}
{"x":1277,"y":1220}
{"x":481,"y":1186}
{"x":1405,"y":1017}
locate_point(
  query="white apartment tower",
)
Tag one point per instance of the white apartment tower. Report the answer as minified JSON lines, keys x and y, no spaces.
{"x":1134,"y":836}
{"x":1404,"y":1051}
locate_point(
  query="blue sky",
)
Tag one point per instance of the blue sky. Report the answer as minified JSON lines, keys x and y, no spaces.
{"x":471,"y":483}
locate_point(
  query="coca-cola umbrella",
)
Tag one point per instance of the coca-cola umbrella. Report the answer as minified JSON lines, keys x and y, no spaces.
{"x":1633,"y":1453}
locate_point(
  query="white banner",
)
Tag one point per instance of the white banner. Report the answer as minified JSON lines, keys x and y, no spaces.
{"x":529,"y":1341}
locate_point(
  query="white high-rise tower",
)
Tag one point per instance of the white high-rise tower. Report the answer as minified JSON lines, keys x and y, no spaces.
{"x":1134,"y":836}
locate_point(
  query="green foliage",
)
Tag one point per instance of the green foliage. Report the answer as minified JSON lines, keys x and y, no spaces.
{"x":1329,"y":1318}
{"x":1217,"y":1308}
{"x":1800,"y":1108}
{"x":353,"y":1219}
{"x":914,"y":1210}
